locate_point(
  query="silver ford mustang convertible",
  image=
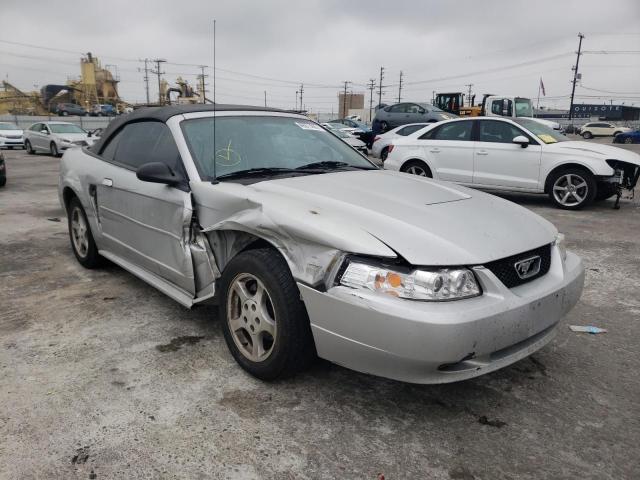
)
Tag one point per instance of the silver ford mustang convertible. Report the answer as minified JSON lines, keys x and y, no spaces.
{"x":309,"y":249}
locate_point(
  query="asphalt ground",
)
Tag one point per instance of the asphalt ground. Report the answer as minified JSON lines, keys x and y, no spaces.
{"x":102,"y":376}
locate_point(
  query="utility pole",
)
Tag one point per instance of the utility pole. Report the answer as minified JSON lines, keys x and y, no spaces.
{"x":372,"y":85}
{"x":159,"y":73}
{"x":296,"y":109}
{"x":380,"y":85}
{"x":202,"y":84}
{"x":575,"y":76}
{"x":301,"y":92}
{"x":146,"y":77}
{"x":265,"y":98}
{"x":469,"y":97}
{"x":400,"y":87}
{"x":344,"y":99}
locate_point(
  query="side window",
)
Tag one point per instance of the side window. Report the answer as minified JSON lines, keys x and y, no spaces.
{"x":413,"y":108}
{"x":496,"y":107}
{"x":145,"y":142}
{"x":35,"y":127}
{"x":499,"y":132}
{"x":400,"y":108}
{"x":460,"y":131}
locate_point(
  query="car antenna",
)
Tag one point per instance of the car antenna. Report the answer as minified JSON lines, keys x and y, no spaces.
{"x":215,"y":152}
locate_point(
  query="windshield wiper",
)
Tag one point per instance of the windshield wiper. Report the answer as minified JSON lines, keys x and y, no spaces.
{"x":260,"y":171}
{"x":332,"y":165}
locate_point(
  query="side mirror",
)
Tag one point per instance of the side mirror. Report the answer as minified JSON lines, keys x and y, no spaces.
{"x":44,"y":131}
{"x":157,"y":172}
{"x":521,"y":140}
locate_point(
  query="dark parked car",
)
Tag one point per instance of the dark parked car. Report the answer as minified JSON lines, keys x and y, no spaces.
{"x":3,"y":171}
{"x":65,"y":109}
{"x":628,"y":137}
{"x":573,"y":129}
{"x":393,"y":116}
{"x":103,"y":110}
{"x":362,"y":130}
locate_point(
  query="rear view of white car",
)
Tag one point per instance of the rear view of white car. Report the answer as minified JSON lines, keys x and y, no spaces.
{"x":380,"y":148}
{"x":518,"y":155}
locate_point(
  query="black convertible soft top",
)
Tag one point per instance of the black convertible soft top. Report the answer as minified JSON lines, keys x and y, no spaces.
{"x":162,"y":114}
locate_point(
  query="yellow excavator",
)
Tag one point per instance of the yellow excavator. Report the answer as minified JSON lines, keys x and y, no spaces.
{"x":454,"y":103}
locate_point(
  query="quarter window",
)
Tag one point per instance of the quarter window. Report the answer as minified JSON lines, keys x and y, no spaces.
{"x":408,"y":130}
{"x":459,"y":131}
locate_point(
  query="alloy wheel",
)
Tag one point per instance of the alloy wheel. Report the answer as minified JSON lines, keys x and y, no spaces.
{"x":251,"y":317}
{"x":570,"y":190}
{"x":79,"y":232}
{"x":417,"y":170}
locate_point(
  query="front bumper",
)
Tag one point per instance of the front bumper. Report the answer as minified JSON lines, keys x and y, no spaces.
{"x":11,"y":142}
{"x":429,"y":342}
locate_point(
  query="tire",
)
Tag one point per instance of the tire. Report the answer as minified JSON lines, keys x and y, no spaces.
{"x":384,"y":153}
{"x":384,"y":126}
{"x":3,"y":181}
{"x":65,"y":113}
{"x":28,"y":147}
{"x":583,"y":192}
{"x":80,"y":236}
{"x":268,"y":357}
{"x":628,"y":140}
{"x":417,"y":167}
{"x":587,"y":135}
{"x":53,"y":150}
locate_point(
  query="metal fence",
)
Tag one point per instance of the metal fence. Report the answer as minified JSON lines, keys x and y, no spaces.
{"x":88,"y":123}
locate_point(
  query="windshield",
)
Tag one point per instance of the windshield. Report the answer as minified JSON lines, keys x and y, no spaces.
{"x":65,"y":128}
{"x":544,"y":133}
{"x":250,"y":142}
{"x":9,"y":126}
{"x":524,"y":107}
{"x":431,"y":108}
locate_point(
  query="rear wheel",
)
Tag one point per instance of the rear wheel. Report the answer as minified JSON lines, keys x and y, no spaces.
{"x":572,"y":189}
{"x":28,"y":147}
{"x":628,"y":140}
{"x":417,"y":167}
{"x":265,"y":323}
{"x":82,"y":243}
{"x":384,"y":126}
{"x":384,"y":153}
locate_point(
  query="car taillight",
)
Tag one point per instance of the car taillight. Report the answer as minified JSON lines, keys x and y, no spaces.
{"x":376,"y":139}
{"x":390,"y":148}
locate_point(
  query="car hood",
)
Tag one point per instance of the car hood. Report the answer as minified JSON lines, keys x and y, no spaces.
{"x":595,"y":150}
{"x":384,"y":213}
{"x":10,"y":132}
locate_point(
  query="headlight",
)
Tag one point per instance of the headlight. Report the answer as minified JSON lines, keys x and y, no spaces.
{"x":65,"y":140}
{"x":436,"y":284}
{"x":562,"y":246}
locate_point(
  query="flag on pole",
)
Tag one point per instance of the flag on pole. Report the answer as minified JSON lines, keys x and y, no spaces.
{"x":542,"y":87}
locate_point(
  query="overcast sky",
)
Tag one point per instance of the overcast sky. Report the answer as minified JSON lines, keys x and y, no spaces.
{"x":502,"y":47}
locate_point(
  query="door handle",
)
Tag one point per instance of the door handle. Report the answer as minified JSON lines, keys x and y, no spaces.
{"x":107,"y":182}
{"x":435,"y":150}
{"x":482,"y":152}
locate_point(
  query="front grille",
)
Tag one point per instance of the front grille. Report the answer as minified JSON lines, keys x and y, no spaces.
{"x":505,"y":268}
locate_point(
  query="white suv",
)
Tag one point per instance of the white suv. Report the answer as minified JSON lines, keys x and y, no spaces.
{"x":601,"y":129}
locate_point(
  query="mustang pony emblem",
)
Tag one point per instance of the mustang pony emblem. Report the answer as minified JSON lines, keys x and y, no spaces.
{"x":528,"y":267}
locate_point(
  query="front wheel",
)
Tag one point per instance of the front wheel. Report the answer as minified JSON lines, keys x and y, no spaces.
{"x":587,"y":135}
{"x":572,"y":189}
{"x":417,"y":167}
{"x":384,"y":154}
{"x":265,"y":324}
{"x":628,"y":140}
{"x":53,"y":149}
{"x":28,"y":147}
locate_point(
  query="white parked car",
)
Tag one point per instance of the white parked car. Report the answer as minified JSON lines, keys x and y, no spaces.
{"x":380,"y":148}
{"x":10,"y":135}
{"x":54,"y":137}
{"x":519,"y":155}
{"x":601,"y":129}
{"x":355,"y":142}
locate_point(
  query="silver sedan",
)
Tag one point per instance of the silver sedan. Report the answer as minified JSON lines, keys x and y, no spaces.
{"x":309,"y":249}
